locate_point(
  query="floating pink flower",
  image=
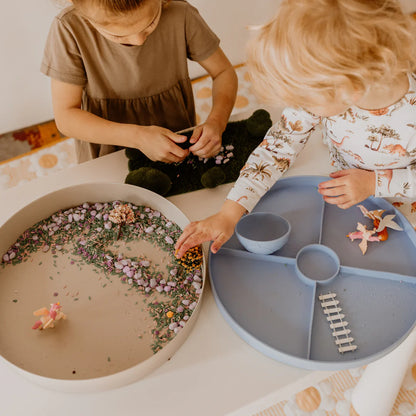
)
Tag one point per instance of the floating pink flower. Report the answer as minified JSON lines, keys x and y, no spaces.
{"x":48,"y":317}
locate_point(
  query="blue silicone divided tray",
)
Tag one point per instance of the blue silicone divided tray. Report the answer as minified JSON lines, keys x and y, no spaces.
{"x":274,"y":310}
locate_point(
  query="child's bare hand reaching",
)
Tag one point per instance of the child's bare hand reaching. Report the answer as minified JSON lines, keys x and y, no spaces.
{"x":217,"y":228}
{"x":159,"y":144}
{"x":348,"y":187}
{"x":206,"y":140}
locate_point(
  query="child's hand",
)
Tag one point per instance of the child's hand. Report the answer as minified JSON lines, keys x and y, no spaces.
{"x":214,"y":228}
{"x":159,"y":144}
{"x":206,"y":140}
{"x":349,"y":187}
{"x":219,"y":228}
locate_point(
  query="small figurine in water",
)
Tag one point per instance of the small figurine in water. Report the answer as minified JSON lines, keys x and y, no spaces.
{"x":48,"y":316}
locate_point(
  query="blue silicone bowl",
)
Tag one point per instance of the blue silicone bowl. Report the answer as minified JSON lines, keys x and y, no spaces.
{"x":262,"y":232}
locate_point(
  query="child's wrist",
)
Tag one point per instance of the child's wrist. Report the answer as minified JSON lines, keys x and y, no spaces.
{"x":232,"y":210}
{"x":219,"y":121}
{"x":132,"y":134}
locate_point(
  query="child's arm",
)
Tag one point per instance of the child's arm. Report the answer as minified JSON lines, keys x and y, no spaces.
{"x":155,"y":142}
{"x":349,"y":187}
{"x":218,"y":227}
{"x":352,"y":186}
{"x":263,"y":168}
{"x":207,"y":136}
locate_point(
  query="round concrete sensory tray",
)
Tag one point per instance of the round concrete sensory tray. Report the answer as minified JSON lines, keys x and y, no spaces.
{"x":108,"y":338}
{"x":272,"y":301}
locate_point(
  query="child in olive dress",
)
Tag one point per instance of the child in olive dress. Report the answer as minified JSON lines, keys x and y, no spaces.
{"x":120,"y":77}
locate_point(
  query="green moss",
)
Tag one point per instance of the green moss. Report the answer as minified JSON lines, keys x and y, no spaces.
{"x":259,"y":123}
{"x":150,"y":178}
{"x":243,"y":135}
{"x":213,"y":177}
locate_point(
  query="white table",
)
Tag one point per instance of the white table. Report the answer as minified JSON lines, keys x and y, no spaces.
{"x":213,"y":373}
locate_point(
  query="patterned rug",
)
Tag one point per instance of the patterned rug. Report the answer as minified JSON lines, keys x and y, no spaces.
{"x":332,"y":397}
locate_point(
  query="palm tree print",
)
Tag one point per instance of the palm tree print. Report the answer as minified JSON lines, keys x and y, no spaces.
{"x":282,"y":164}
{"x":379,"y":134}
{"x":279,"y":136}
{"x":283,"y":124}
{"x":406,"y":187}
{"x":372,"y":139}
{"x":348,"y":116}
{"x":270,"y":146}
{"x":258,"y":169}
{"x":337,"y":157}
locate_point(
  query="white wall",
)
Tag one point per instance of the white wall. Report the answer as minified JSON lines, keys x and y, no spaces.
{"x":24,"y":24}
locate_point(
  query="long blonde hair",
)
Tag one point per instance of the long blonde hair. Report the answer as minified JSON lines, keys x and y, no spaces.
{"x":313,"y":49}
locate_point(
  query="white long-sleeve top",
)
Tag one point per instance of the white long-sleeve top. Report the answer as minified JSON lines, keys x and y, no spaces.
{"x":382,"y":140}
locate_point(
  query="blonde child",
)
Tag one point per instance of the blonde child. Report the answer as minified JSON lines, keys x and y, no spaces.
{"x":120,"y":77}
{"x":347,"y":66}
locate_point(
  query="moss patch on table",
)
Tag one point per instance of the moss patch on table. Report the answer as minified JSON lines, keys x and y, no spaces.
{"x":239,"y":139}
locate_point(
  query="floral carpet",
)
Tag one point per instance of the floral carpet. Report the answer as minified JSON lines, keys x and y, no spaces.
{"x":332,"y":397}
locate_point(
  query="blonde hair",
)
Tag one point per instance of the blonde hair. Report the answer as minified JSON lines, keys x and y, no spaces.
{"x":314,"y":49}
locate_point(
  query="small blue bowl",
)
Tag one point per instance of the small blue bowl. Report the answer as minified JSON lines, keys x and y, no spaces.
{"x":317,"y":263}
{"x":262,"y":232}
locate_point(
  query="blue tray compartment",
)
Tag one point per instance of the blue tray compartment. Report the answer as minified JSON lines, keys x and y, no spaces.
{"x":260,"y":297}
{"x":302,"y":208}
{"x":396,"y":255}
{"x":379,"y":308}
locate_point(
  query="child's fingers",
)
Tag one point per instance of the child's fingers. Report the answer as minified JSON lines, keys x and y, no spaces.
{"x":342,"y":201}
{"x":176,"y":153}
{"x":198,"y":148}
{"x":218,"y":242}
{"x":189,"y":238}
{"x":341,"y":173}
{"x":174,"y":158}
{"x":199,"y":143}
{"x":177,"y":138}
{"x":333,"y":183}
{"x":181,"y":249}
{"x":196,"y":134}
{"x":189,"y":242}
{"x":205,"y":148}
{"x":346,"y":205}
{"x":185,"y":233}
{"x":333,"y":190}
{"x":337,"y":174}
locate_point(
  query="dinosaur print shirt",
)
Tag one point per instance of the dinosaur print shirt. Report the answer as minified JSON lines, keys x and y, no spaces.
{"x":382,"y":140}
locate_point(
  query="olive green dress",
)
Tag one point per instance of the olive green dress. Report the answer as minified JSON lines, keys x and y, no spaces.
{"x":146,"y":85}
